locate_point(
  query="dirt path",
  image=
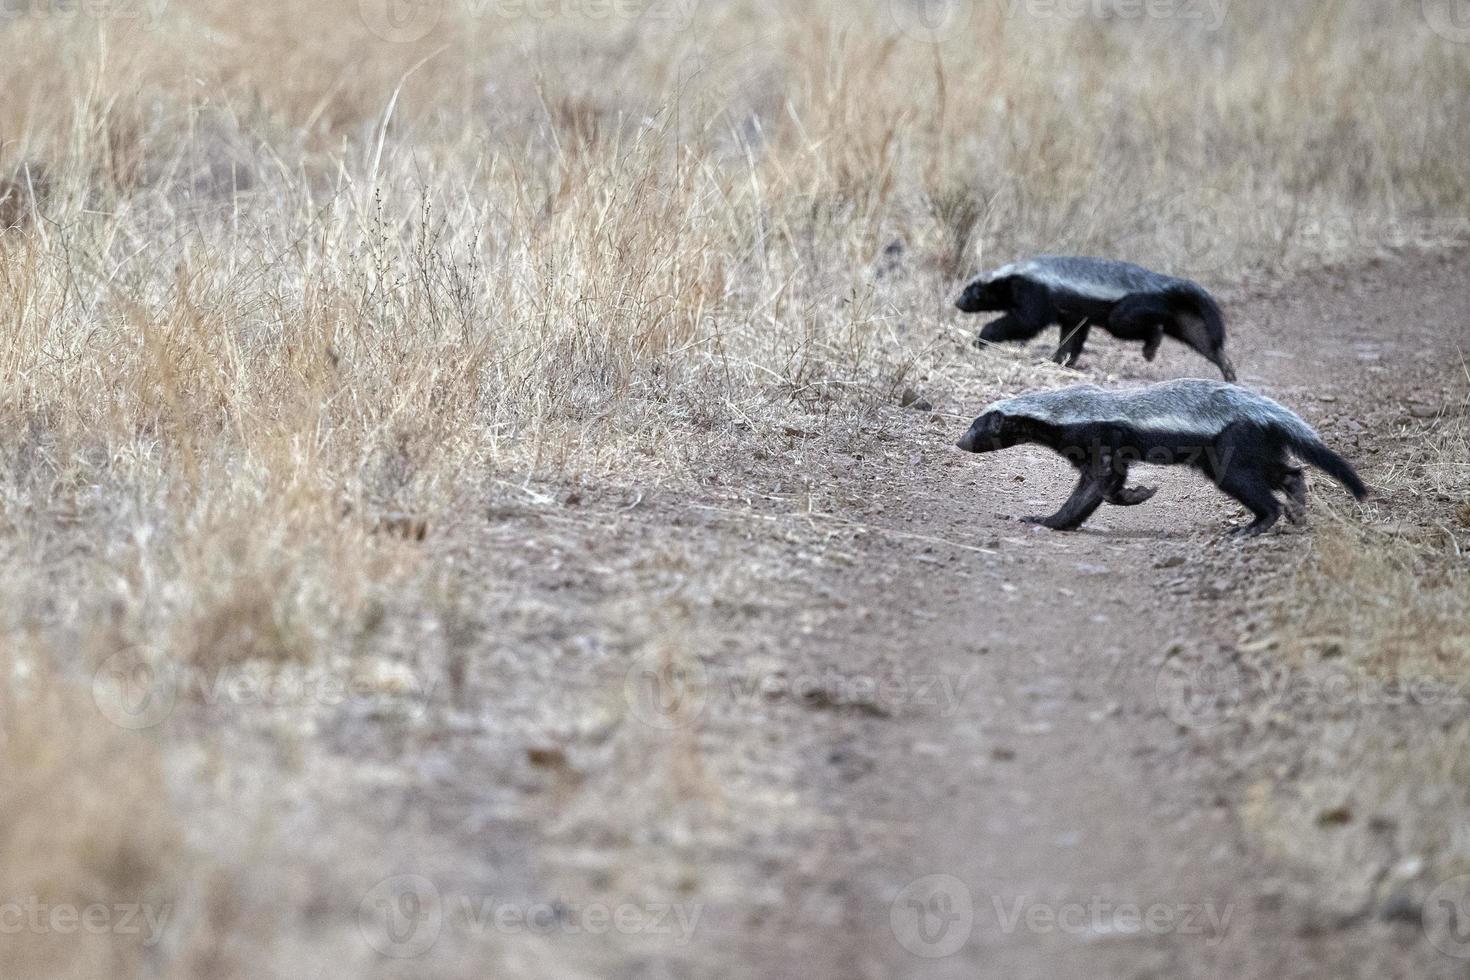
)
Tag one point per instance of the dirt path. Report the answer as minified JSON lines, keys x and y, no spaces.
{"x":1071,"y":801}
{"x":1069,"y":795}
{"x":912,"y":737}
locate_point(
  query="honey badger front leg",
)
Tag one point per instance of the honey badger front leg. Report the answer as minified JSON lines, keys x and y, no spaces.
{"x":1086,"y":497}
{"x":1098,"y":483}
{"x":1122,"y":496}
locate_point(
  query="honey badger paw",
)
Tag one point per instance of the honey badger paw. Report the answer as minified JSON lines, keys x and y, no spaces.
{"x":1132,"y":496}
{"x":1254,"y":529}
{"x":1294,"y":485}
{"x":1049,"y":522}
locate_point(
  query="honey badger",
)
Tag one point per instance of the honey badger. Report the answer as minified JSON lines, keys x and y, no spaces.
{"x":1128,"y":301}
{"x":1237,"y":438}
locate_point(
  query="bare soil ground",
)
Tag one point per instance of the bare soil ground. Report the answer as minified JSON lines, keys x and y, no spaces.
{"x":759,"y":721}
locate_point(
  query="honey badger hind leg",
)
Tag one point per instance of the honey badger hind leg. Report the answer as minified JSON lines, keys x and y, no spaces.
{"x":1293,"y":485}
{"x":1074,"y":338}
{"x":1151,"y":345}
{"x":1141,"y":316}
{"x":1249,"y":486}
{"x":1245,"y":462}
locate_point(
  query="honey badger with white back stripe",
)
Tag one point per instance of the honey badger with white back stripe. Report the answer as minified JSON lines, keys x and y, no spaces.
{"x":1237,"y":438}
{"x":1127,"y":300}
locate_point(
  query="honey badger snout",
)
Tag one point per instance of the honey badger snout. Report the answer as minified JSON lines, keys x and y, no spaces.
{"x":983,"y":435}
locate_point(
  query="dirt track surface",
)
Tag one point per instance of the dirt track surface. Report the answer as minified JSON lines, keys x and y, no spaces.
{"x":883,"y":677}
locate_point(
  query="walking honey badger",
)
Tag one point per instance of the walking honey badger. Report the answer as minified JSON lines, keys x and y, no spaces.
{"x":1237,"y":438}
{"x":1128,"y":301}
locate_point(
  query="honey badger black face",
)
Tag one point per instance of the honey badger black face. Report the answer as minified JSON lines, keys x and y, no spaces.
{"x":982,"y":296}
{"x":991,"y":432}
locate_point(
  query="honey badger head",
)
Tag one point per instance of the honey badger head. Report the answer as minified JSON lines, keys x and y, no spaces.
{"x":993,"y":431}
{"x":987,"y":294}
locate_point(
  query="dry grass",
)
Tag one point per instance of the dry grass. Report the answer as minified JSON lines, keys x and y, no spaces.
{"x":1379,"y":626}
{"x":1393,"y":598}
{"x":281,"y":297}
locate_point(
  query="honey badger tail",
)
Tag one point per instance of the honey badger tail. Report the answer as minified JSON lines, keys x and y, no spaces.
{"x":1314,"y":452}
